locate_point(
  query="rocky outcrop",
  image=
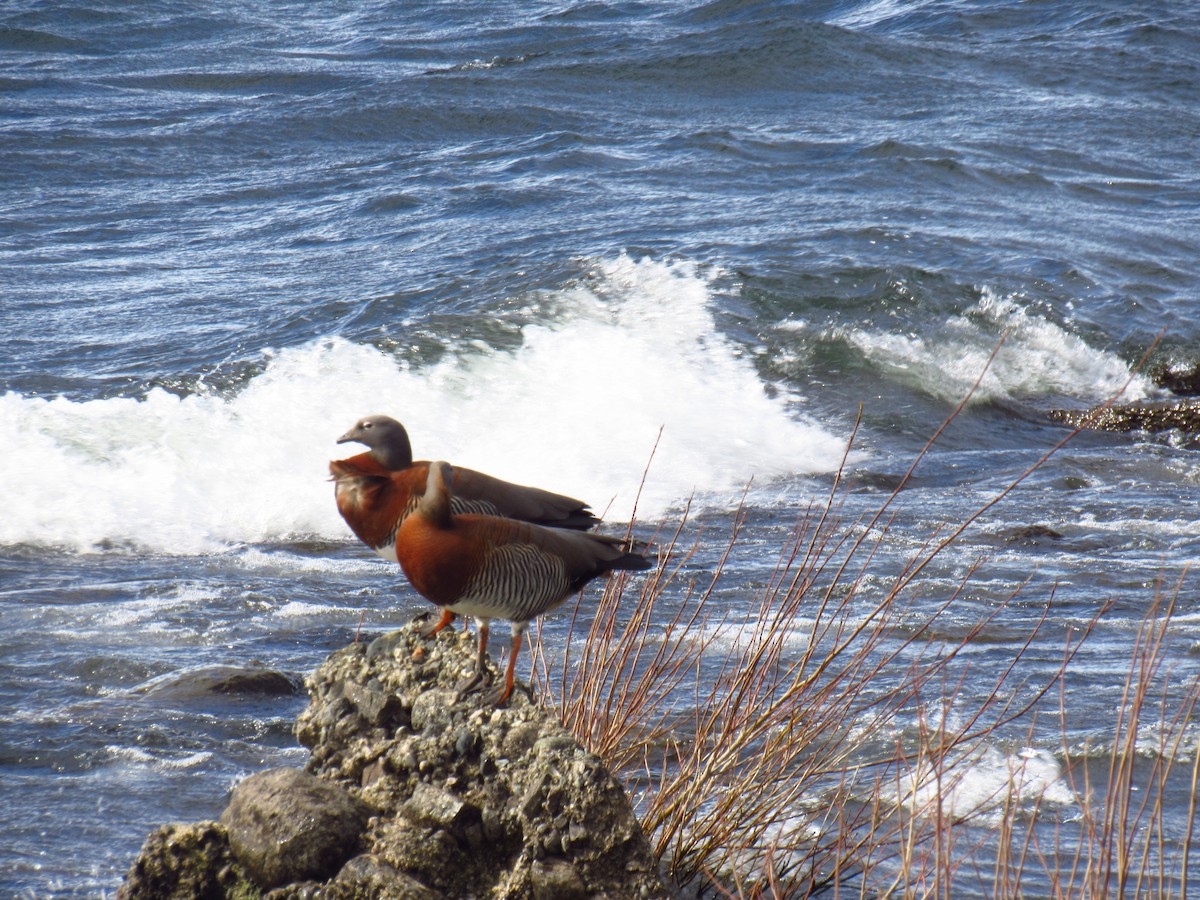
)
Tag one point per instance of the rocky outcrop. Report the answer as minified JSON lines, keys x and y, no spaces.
{"x":411,"y":792}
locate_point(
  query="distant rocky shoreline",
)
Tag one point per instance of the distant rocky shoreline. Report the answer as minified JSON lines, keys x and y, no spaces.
{"x":411,"y":793}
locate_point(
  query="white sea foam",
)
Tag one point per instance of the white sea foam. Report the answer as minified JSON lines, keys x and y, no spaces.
{"x":137,"y":758}
{"x":577,"y":408}
{"x":142,"y":619}
{"x":298,"y":609}
{"x":982,"y":785}
{"x":255,"y":560}
{"x":148,"y":613}
{"x":1038,"y":357}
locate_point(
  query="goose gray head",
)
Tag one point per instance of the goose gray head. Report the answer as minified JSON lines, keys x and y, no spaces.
{"x":386,"y":438}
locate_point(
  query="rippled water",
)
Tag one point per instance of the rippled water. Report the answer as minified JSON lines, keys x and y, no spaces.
{"x":539,"y":234}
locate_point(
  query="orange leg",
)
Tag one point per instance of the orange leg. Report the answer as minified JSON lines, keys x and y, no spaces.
{"x":500,"y":695}
{"x":428,"y":631}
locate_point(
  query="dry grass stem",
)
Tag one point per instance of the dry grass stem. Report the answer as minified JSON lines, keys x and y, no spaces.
{"x":824,"y":733}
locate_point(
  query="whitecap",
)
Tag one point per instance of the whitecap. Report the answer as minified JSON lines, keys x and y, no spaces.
{"x":1036,"y":358}
{"x":576,"y":407}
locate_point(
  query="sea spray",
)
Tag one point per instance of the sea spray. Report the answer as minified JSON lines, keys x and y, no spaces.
{"x":577,"y":407}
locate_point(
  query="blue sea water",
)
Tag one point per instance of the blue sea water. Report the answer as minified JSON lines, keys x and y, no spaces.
{"x":555,"y":239}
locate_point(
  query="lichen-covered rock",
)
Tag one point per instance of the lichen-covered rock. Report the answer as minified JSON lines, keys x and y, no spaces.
{"x":187,"y":862}
{"x":465,"y":800}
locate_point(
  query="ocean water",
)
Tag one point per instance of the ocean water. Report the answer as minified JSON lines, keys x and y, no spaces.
{"x":570,"y":244}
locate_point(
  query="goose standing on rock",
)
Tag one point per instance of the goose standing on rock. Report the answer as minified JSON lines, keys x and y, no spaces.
{"x":496,"y":568}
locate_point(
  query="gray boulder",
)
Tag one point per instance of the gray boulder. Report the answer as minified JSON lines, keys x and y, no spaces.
{"x":286,"y":825}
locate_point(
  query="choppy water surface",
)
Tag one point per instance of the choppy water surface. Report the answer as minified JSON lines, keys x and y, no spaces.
{"x":540,"y":234}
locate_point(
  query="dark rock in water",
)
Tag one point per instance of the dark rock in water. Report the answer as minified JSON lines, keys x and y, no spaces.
{"x":1172,"y":415}
{"x":224,"y":680}
{"x":1030,"y":534}
{"x":876,"y":482}
{"x":1183,"y":379}
{"x":464,"y":800}
{"x":261,"y":682}
{"x":286,"y":825}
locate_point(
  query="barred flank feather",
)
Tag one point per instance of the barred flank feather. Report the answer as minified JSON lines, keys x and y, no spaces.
{"x":518,"y":581}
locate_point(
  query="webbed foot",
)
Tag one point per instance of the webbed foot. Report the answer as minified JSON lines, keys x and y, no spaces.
{"x":477,"y":680}
{"x":428,"y":631}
